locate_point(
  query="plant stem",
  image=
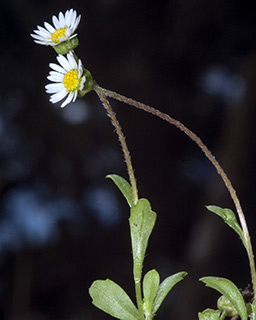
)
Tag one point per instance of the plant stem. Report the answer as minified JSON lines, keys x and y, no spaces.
{"x":212,"y":159}
{"x":127,"y":157}
{"x":121,"y":138}
{"x":139,"y":298}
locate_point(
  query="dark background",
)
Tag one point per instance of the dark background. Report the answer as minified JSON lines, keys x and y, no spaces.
{"x":62,"y":224}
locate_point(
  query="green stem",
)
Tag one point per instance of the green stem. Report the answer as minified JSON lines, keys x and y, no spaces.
{"x":212,"y":159}
{"x":121,"y":137}
{"x":139,"y":298}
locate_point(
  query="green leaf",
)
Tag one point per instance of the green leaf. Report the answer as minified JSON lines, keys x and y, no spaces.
{"x":165,"y":287}
{"x":209,"y":314}
{"x":142,"y":221}
{"x":111,"y":298}
{"x":124,"y":187}
{"x":150,"y":286}
{"x":230,"y":291}
{"x":229,"y":218}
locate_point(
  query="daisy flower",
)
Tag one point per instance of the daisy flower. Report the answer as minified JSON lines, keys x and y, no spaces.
{"x":62,"y":30}
{"x":68,"y":79}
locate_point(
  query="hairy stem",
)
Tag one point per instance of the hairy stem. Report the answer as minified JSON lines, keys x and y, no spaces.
{"x":121,"y":138}
{"x":212,"y":159}
{"x":127,"y":157}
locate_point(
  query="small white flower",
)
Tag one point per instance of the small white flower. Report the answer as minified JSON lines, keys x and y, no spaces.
{"x":63,"y":29}
{"x":68,"y":79}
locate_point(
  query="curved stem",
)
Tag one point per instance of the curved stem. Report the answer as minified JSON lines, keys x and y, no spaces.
{"x":212,"y":159}
{"x":121,"y":137}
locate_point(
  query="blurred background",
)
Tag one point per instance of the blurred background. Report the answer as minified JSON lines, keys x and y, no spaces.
{"x":62,"y":223}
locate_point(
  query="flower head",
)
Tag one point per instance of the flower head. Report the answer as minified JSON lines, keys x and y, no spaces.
{"x":63,"y":30}
{"x":68,"y":78}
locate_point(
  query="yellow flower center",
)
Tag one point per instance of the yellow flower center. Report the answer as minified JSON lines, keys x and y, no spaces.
{"x":71,"y":80}
{"x":55,"y":36}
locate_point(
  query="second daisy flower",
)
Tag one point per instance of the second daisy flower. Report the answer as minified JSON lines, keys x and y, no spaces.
{"x":68,"y":79}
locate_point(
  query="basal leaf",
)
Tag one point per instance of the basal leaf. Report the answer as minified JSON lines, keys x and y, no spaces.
{"x":111,"y":298}
{"x":209,"y":314}
{"x":229,"y":218}
{"x":142,"y":221}
{"x":151,"y":282}
{"x":230,"y":291}
{"x":123,"y":186}
{"x":165,"y":288}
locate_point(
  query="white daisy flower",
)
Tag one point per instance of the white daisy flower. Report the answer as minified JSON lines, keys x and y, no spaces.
{"x":68,"y":79}
{"x":63,"y":29}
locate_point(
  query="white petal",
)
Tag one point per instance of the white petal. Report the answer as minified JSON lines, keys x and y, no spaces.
{"x":54,"y":87}
{"x":56,"y":75}
{"x":35,"y":36}
{"x":37,"y":32}
{"x":80,"y":68}
{"x":63,"y":62}
{"x":62,"y":19}
{"x":67,"y":17}
{"x":72,"y":61}
{"x":55,"y":22}
{"x":58,"y":96}
{"x":43,"y":37}
{"x":73,"y":36}
{"x":57,"y":68}
{"x":43,"y":30}
{"x":82,"y":83}
{"x":42,"y":42}
{"x":75,"y":96}
{"x":55,"y":78}
{"x":49,"y":27}
{"x":41,"y":33}
{"x":76,"y":23}
{"x":72,"y":18}
{"x":68,"y":100}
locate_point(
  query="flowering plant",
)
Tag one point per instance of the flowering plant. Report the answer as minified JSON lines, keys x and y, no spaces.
{"x":71,"y":80}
